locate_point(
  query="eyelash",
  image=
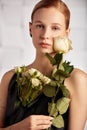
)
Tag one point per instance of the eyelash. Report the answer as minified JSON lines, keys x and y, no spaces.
{"x":40,"y":26}
{"x":55,"y":28}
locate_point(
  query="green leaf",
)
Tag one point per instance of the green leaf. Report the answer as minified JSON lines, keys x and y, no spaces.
{"x":51,"y":59}
{"x":23,"y":68}
{"x":52,"y":109}
{"x":59,"y":76}
{"x":49,"y":91}
{"x":58,"y":121}
{"x":53,"y":83}
{"x":65,"y":91}
{"x":63,"y":73}
{"x":62,"y":105}
{"x":67,"y":67}
{"x":58,"y":58}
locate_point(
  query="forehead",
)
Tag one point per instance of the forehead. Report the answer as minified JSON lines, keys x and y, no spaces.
{"x":49,"y":15}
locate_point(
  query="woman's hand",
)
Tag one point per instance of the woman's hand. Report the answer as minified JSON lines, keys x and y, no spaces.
{"x":39,"y":122}
{"x":34,"y":122}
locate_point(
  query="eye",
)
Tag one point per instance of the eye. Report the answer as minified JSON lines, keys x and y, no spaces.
{"x":55,"y":28}
{"x":39,"y":26}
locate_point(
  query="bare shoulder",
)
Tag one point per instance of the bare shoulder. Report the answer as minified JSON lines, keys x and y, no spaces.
{"x":78,"y":76}
{"x":6,"y":79}
{"x":77,"y":80}
{"x":77,"y":85}
{"x":4,"y":87}
{"x":78,"y":73}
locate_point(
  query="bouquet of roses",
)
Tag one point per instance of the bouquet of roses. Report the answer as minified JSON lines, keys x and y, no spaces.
{"x":31,"y":83}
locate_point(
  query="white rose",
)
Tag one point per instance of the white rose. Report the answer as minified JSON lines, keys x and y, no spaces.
{"x":45,"y":79}
{"x":35,"y":82}
{"x":31,"y":71}
{"x":18,"y":69}
{"x":34,"y":72}
{"x":62,"y":44}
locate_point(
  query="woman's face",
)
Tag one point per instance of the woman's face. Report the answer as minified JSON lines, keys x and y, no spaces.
{"x":47,"y":23}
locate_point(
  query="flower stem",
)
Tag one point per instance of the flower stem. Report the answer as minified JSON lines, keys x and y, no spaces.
{"x":49,"y":128}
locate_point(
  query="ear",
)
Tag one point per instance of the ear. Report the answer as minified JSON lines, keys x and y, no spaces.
{"x":30,"y":24}
{"x":67,"y":32}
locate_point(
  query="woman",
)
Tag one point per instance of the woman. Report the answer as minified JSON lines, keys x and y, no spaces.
{"x":49,"y":19}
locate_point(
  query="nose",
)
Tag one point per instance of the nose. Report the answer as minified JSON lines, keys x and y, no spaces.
{"x":45,"y":34}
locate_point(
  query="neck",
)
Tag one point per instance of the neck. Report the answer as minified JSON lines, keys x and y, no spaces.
{"x":42,"y":64}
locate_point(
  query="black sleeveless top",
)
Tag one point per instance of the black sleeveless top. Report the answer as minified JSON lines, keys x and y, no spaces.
{"x":38,"y":107}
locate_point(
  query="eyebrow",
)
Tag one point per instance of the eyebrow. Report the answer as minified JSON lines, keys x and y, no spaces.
{"x":38,"y":21}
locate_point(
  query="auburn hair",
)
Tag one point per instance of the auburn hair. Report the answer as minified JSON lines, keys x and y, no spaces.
{"x":58,"y":4}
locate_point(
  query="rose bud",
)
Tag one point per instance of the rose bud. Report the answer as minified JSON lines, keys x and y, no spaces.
{"x":18,"y":69}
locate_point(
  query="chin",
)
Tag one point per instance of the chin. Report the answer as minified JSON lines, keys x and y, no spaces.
{"x":46,"y":51}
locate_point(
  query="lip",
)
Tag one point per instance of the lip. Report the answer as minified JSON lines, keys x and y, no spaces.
{"x":44,"y":45}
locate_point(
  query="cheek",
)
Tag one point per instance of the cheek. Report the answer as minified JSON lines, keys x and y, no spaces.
{"x":35,"y":34}
{"x":35,"y":40}
{"x":63,"y":33}
{"x":60,"y":33}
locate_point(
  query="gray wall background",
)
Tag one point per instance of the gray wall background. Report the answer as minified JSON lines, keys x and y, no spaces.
{"x":16,"y":45}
